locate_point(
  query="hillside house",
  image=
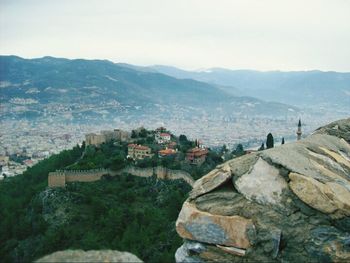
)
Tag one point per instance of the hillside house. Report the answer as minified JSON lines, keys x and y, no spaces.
{"x":172,"y":145}
{"x":139,"y":151}
{"x":162,"y":137}
{"x":196,"y":156}
{"x":167,"y":153}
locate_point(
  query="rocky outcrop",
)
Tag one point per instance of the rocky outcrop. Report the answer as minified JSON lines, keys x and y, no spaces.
{"x":215,"y":229}
{"x":282,"y":204}
{"x":90,"y":256}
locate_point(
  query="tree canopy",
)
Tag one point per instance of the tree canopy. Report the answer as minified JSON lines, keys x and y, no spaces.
{"x":269,"y":141}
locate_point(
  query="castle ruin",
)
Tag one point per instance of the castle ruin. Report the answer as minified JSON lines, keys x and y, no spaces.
{"x":105,"y":136}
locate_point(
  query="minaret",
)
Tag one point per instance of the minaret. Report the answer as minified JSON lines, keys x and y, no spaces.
{"x":299,"y":131}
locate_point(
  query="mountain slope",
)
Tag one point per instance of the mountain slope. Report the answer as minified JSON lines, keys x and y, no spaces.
{"x":90,"y":87}
{"x":300,"y":88}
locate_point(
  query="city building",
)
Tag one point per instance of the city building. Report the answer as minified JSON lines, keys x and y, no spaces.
{"x":94,"y":139}
{"x":116,"y":134}
{"x":105,"y":136}
{"x":162,"y":137}
{"x":196,"y":156}
{"x":167,"y":152}
{"x":4,"y":160}
{"x":139,"y":151}
{"x":172,"y":145}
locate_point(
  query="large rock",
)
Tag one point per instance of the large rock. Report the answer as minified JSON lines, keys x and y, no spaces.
{"x":327,"y":198}
{"x":282,"y":204}
{"x":340,"y":129}
{"x":90,"y":256}
{"x":262,"y":184}
{"x":197,"y":225}
{"x":211,"y":181}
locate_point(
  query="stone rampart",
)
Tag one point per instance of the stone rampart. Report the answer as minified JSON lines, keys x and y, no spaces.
{"x":160,"y":172}
{"x":136,"y":171}
{"x":61,"y":177}
{"x":178,"y":174}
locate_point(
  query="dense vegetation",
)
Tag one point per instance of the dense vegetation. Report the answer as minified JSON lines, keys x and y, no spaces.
{"x":125,"y":213}
{"x":16,"y":194}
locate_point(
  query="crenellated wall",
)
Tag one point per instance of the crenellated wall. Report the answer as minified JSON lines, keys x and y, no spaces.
{"x":61,"y":177}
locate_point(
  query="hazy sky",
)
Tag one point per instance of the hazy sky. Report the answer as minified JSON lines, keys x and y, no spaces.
{"x":192,"y":34}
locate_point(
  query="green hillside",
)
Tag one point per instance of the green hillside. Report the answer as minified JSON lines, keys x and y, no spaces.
{"x":124,"y":213}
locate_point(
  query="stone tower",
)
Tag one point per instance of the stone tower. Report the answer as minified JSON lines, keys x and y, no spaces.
{"x":299,"y":131}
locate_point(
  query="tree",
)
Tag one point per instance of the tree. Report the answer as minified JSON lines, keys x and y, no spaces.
{"x":224,"y":149}
{"x":239,"y":150}
{"x":133,"y":134}
{"x":262,"y":147}
{"x":143,"y":133}
{"x":118,"y":162}
{"x":269,"y":141}
{"x":183,"y":139}
{"x":83,"y":145}
{"x":282,"y":140}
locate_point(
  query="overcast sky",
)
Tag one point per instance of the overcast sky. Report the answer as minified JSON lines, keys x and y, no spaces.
{"x":191,"y":34}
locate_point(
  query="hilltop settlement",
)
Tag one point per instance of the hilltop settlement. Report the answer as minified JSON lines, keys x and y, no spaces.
{"x":141,"y":153}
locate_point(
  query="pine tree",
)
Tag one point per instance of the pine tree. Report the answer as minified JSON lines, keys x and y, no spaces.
{"x":133,"y":134}
{"x":282,"y":140}
{"x":269,"y":141}
{"x":262,"y":147}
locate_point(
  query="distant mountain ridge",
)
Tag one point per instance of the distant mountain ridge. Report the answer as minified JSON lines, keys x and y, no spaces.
{"x":104,"y":87}
{"x":299,"y":88}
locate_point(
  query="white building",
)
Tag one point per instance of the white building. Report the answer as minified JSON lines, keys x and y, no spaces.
{"x":162,"y":137}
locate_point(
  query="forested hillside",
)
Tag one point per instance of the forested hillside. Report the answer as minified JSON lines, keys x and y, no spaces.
{"x":124,"y":213}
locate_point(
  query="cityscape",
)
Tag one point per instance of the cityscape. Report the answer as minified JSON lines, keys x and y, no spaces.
{"x":26,"y":142}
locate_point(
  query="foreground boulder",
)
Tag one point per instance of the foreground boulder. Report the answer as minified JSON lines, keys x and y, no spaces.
{"x":90,"y":256}
{"x":216,"y":229}
{"x":282,"y":204}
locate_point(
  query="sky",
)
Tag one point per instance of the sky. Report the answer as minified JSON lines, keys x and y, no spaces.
{"x":190,"y":34}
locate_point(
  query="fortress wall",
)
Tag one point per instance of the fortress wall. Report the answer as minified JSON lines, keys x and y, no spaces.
{"x":83,"y":178}
{"x":161,"y":172}
{"x":56,"y":179}
{"x":142,"y":172}
{"x":177,"y":174}
{"x":60,"y":178}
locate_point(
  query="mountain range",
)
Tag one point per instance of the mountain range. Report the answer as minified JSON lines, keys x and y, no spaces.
{"x":300,"y":88}
{"x":80,"y":88}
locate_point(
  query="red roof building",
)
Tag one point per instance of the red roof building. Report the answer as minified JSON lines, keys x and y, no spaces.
{"x":167,"y":152}
{"x":162,"y":137}
{"x":139,"y":151}
{"x":196,"y":155}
